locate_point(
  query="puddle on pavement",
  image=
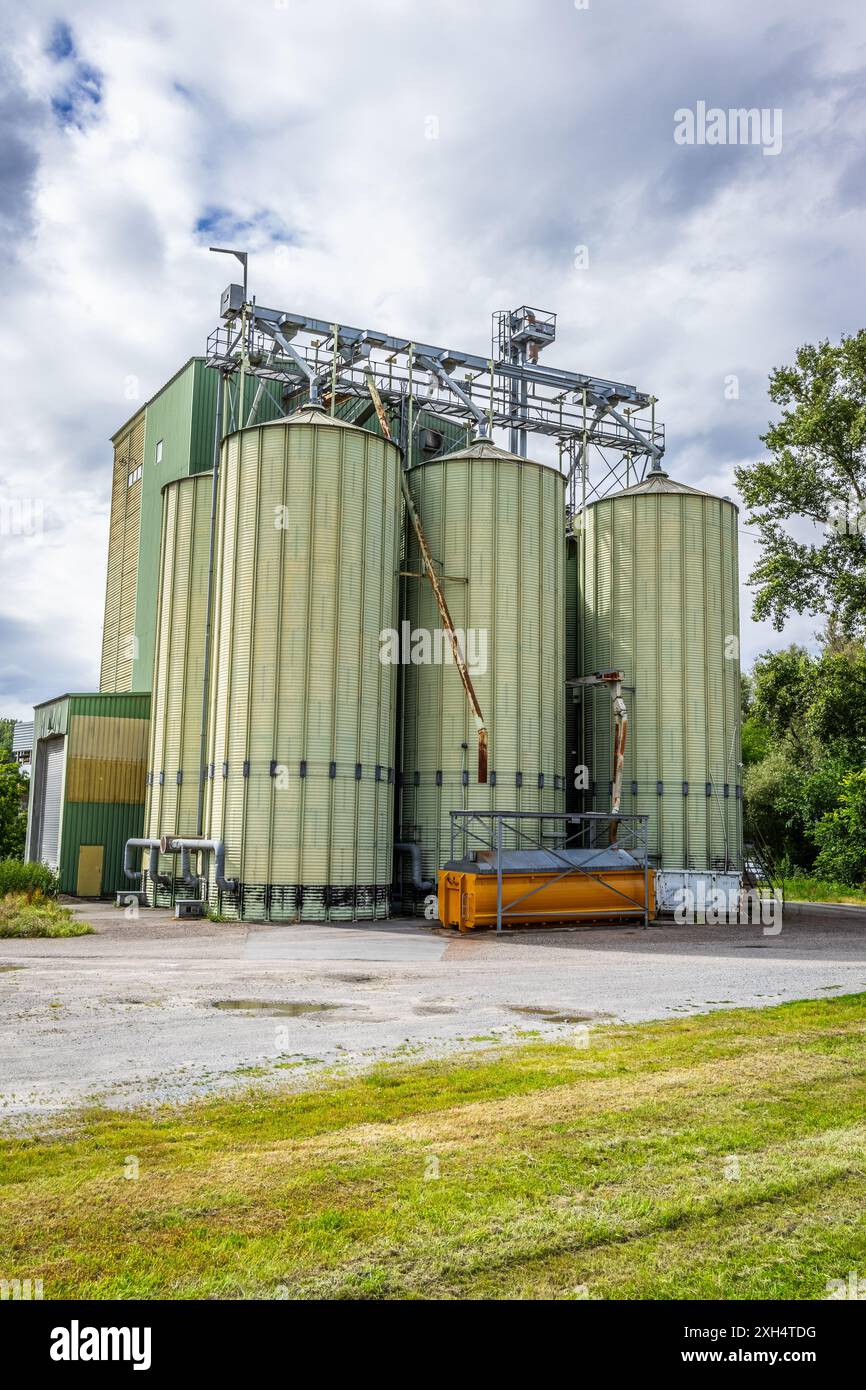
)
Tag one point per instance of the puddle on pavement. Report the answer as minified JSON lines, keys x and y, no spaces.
{"x":429,"y":1009}
{"x":354,"y":979}
{"x":555,"y":1015}
{"x":285,"y":1008}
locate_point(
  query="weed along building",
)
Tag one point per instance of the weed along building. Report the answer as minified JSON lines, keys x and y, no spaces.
{"x":559,"y":738}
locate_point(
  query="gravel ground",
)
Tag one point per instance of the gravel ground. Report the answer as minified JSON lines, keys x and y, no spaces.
{"x":155,"y":1010}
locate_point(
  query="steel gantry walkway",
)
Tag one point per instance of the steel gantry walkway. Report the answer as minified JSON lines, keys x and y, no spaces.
{"x":605,"y":432}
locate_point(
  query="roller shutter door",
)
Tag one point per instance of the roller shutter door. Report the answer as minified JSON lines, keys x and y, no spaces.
{"x":52,"y":803}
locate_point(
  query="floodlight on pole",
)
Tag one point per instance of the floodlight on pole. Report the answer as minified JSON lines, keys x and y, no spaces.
{"x":242,"y":256}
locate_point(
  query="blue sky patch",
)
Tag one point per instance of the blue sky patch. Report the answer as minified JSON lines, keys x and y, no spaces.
{"x":81,"y":91}
{"x":61,"y":44}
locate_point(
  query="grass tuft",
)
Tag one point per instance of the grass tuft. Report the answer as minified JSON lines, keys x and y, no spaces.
{"x":31,"y":914}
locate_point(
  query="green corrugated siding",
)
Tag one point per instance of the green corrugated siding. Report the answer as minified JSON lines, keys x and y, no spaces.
{"x":168,"y":418}
{"x":182,"y":416}
{"x":496,"y":527}
{"x":94,"y":823}
{"x":52,"y":718}
{"x":129,"y":705}
{"x":202,"y":417}
{"x":661,"y":597}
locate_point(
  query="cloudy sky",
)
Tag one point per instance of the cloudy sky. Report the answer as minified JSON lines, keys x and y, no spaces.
{"x":135,"y":135}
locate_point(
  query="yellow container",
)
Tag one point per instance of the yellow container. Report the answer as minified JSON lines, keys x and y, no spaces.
{"x":468,"y":900}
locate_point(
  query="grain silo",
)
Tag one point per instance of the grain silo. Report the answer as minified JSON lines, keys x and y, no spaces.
{"x":659,"y":601}
{"x":175,"y":757}
{"x":495,"y":525}
{"x":301,"y":736}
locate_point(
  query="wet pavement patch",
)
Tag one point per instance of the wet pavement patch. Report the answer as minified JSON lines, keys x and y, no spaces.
{"x":547,"y":1015}
{"x":285,"y":1008}
{"x":4,"y":968}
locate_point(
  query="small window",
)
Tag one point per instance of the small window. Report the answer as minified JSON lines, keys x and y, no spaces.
{"x":159,"y":451}
{"x":134,"y":476}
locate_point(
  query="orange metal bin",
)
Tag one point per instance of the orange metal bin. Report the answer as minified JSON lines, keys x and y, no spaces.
{"x":468,"y":893}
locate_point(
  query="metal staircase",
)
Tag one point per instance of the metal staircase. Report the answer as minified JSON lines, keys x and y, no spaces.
{"x":761,"y":874}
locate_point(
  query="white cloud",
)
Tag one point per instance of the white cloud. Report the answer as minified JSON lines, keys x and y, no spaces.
{"x":555,"y":127}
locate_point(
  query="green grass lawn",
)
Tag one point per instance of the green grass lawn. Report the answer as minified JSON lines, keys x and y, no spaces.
{"x":710,"y":1157}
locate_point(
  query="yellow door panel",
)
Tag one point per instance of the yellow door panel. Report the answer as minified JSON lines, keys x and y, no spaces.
{"x":89,"y":882}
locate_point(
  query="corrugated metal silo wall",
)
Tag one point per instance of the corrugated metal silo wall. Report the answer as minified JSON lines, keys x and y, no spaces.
{"x":661,"y":603}
{"x":572,"y":709}
{"x":496,"y":527}
{"x":174,"y":759}
{"x":300,"y":783}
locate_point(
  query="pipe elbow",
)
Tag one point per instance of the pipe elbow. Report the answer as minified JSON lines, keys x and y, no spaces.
{"x":421,"y":884}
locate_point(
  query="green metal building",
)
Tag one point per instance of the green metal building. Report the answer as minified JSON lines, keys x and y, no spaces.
{"x":170,"y":437}
{"x":87,"y":787}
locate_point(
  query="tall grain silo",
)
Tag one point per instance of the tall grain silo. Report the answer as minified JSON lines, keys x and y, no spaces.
{"x":659,"y":600}
{"x":495,"y":525}
{"x":301,"y":740}
{"x":174,"y":763}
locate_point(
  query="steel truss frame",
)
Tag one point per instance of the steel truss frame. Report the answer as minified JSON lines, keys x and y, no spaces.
{"x":605,"y":431}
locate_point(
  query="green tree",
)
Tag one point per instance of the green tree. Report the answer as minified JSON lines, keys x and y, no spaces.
{"x":787,"y":794}
{"x":841,"y":834}
{"x":13,"y":813}
{"x":755,"y":738}
{"x":817,"y":471}
{"x":803,"y":734}
{"x":781,"y":691}
{"x":6,"y":727}
{"x":820,"y":697}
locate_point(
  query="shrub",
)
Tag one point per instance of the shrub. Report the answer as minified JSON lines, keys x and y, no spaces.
{"x":18,"y":877}
{"x":31,"y":914}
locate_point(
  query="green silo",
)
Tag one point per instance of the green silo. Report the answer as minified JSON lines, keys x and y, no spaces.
{"x":660,"y":602}
{"x":175,"y":735}
{"x":495,"y":525}
{"x":301,"y":761}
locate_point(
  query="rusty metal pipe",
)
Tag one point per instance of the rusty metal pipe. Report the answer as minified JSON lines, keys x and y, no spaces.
{"x":619,"y":741}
